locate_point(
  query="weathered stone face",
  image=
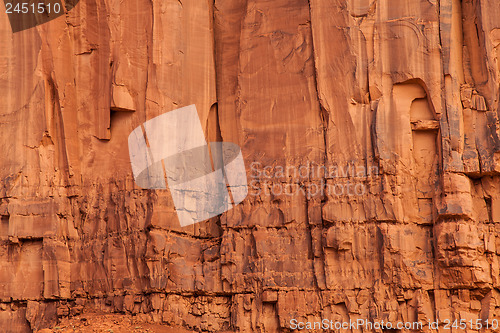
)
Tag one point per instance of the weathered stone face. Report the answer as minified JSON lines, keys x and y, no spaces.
{"x":369,"y":130}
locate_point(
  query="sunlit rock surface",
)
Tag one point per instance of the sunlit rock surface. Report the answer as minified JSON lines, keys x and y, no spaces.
{"x":397,"y":100}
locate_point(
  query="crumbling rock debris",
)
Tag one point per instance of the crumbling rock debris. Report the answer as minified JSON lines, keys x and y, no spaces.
{"x":408,"y":88}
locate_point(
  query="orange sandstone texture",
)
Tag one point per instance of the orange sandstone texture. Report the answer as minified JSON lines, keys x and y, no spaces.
{"x":408,"y":88}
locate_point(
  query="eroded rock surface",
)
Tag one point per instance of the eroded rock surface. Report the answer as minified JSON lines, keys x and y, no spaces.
{"x":406,"y":93}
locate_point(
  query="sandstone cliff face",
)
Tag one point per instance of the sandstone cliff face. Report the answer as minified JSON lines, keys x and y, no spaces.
{"x":407,"y":89}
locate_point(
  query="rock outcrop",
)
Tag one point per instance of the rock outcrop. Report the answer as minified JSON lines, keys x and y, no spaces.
{"x":371,"y":136}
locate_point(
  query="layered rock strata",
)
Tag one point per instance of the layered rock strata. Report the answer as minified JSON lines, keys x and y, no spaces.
{"x":398,"y":101}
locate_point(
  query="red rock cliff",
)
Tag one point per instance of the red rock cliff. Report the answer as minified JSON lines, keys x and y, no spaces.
{"x":407,"y":90}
